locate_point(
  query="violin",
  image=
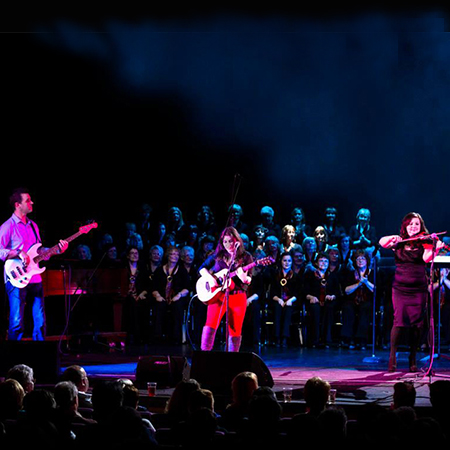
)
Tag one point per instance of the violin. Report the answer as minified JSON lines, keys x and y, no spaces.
{"x":427,"y":240}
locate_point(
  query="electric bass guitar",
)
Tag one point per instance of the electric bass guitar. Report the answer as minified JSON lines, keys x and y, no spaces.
{"x":19,"y":274}
{"x":210,"y":286}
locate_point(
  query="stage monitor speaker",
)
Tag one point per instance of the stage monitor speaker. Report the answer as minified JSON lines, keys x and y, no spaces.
{"x":216,"y":370}
{"x":167,"y":371}
{"x":41,"y":356}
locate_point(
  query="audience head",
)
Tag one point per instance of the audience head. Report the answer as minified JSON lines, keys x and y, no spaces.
{"x":66,"y":395}
{"x":156,"y":254}
{"x":107,"y":397}
{"x":179,"y":400}
{"x":309,"y":245}
{"x":320,"y":234}
{"x":11,"y":399}
{"x":298,"y":216}
{"x":187,"y":254}
{"x":24,"y":375}
{"x":288,"y":233}
{"x":267,"y":214}
{"x":77,"y":375}
{"x":330,"y":215}
{"x":83,"y":253}
{"x":360,"y":258}
{"x":243,"y":386}
{"x":363,"y":217}
{"x":316,"y":394}
{"x":200,"y":398}
{"x":440,"y":394}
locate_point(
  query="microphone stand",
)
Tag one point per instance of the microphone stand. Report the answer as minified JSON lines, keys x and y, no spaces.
{"x":373,"y":359}
{"x":227,"y":296}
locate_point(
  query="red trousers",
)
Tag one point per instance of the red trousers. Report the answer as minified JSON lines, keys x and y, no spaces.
{"x":237,"y":304}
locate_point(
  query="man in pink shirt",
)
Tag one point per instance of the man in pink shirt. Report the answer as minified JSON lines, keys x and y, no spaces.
{"x":17,"y":235}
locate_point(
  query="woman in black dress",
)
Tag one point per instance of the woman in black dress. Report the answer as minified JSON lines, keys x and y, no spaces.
{"x":284,"y":292}
{"x":321,"y":291}
{"x":409,"y":289}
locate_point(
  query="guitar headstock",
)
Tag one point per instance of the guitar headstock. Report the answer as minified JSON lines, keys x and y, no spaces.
{"x":265,"y":261}
{"x":86,"y":228}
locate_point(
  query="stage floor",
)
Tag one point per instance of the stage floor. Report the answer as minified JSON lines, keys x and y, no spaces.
{"x":358,"y":376}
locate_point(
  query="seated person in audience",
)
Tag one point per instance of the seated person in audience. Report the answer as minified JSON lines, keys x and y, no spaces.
{"x":170,"y":289}
{"x":136,"y":311}
{"x":321,"y":290}
{"x":288,"y":236}
{"x":192,"y":237}
{"x":158,"y":234}
{"x":206,"y":222}
{"x":155,"y":259}
{"x":316,"y":393}
{"x":283,"y":293}
{"x":236,"y":218}
{"x":66,"y":398}
{"x":256,"y":299}
{"x":83,"y":253}
{"x":298,"y":220}
{"x":131,"y":400}
{"x":267,"y":215}
{"x":207,"y":245}
{"x":132,"y":237}
{"x":187,"y":257}
{"x":335,"y":260}
{"x":404,"y":395}
{"x":345,"y":251}
{"x":321,"y":237}
{"x":24,"y":375}
{"x":177,"y":407}
{"x":144,"y":224}
{"x":11,"y":399}
{"x":78,"y":376}
{"x":363,"y":234}
{"x":243,"y":387}
{"x":246,"y":241}
{"x":309,"y":247}
{"x":176,"y":225}
{"x":358,"y":302}
{"x":272,"y":247}
{"x":332,"y":227}
{"x":258,"y":237}
{"x":111,"y":256}
{"x":298,"y":260}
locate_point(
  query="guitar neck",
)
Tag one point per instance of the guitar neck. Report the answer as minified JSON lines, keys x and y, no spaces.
{"x":245,"y":268}
{"x":55,"y":249}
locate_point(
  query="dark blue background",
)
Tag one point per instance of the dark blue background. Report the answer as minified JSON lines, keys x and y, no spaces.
{"x":311,"y":111}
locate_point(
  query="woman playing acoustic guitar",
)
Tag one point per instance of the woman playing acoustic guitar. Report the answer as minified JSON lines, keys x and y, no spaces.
{"x":230,"y":255}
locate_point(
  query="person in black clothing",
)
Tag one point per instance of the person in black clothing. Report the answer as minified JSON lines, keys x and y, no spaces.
{"x":410,"y":286}
{"x":357,"y":307}
{"x":170,"y":288}
{"x":283,"y":293}
{"x":321,"y":291}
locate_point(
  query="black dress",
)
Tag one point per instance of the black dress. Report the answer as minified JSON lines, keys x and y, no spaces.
{"x":409,"y":289}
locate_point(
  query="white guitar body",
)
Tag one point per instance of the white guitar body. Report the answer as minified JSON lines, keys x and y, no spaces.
{"x":20,"y":275}
{"x":209,"y":286}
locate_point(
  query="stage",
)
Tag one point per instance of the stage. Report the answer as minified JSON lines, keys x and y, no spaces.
{"x":359,"y":377}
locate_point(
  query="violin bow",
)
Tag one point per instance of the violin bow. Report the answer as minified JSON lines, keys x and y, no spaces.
{"x":415,"y":238}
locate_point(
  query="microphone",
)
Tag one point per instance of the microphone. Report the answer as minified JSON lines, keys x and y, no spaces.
{"x":236,"y":245}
